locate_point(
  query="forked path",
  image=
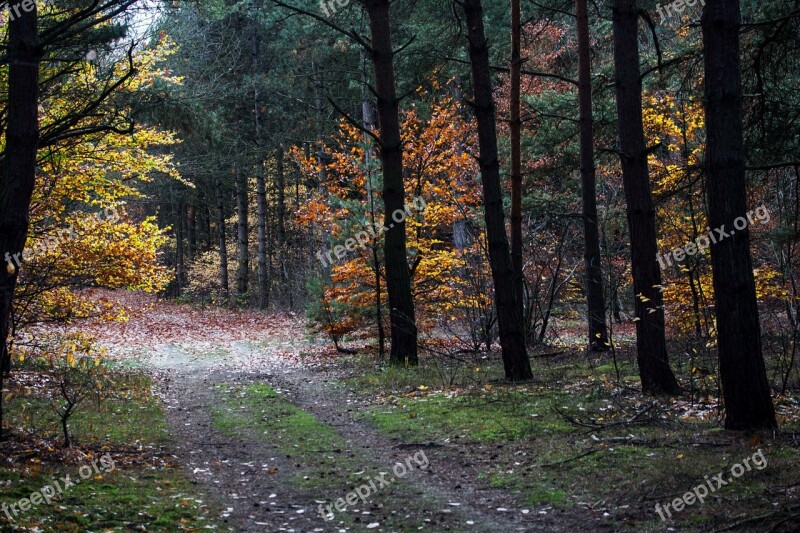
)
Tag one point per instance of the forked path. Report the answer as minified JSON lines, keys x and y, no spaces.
{"x":197,"y":355}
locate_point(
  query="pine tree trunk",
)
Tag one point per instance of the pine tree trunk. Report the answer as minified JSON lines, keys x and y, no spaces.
{"x":748,"y":404}
{"x":223,"y":243}
{"x":19,"y":160}
{"x":398,"y":275}
{"x":512,"y":338}
{"x":243,"y":235}
{"x":651,"y":349}
{"x":516,"y":155}
{"x":595,"y":301}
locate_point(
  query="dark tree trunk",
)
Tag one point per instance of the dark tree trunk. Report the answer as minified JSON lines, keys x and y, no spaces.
{"x":398,"y":275}
{"x":263,"y":275}
{"x":651,"y":349}
{"x":243,"y":234}
{"x":223,"y":243}
{"x":595,"y":301}
{"x":19,"y":158}
{"x":748,"y":404}
{"x":516,"y":154}
{"x":512,"y":338}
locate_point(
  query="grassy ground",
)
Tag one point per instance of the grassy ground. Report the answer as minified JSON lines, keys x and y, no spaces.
{"x":577,"y":437}
{"x":143,"y":491}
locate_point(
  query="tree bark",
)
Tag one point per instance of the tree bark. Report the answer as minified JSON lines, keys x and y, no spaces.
{"x":516,"y":155}
{"x":22,"y":140}
{"x":651,"y":349}
{"x":512,"y":339}
{"x":595,"y":301}
{"x":243,"y":235}
{"x":398,"y":276}
{"x":223,"y":243}
{"x":748,"y":404}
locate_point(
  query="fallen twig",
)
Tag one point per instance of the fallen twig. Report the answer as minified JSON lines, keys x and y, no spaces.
{"x":584,"y":454}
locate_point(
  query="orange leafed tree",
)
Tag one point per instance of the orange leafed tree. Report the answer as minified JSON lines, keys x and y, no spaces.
{"x":441,"y":178}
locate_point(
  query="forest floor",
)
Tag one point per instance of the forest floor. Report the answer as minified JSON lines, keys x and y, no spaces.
{"x":264,"y":426}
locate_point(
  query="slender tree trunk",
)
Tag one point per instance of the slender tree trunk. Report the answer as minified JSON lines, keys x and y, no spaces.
{"x":651,"y":349}
{"x":19,"y":159}
{"x":207,"y":216}
{"x":223,"y":242}
{"x":180,"y":247}
{"x":512,"y":338}
{"x":516,"y":154}
{"x":748,"y":404}
{"x":191,"y":231}
{"x":281,"y":185}
{"x":263,"y":278}
{"x":368,"y":122}
{"x":398,"y":275}
{"x":595,"y":301}
{"x":243,"y":234}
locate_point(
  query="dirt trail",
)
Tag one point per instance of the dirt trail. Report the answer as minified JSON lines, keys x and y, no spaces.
{"x":255,"y":484}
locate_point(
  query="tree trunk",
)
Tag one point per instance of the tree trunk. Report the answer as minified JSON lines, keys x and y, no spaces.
{"x":207,"y":216}
{"x":651,"y":349}
{"x":281,"y":185}
{"x":243,"y":236}
{"x":398,"y":275}
{"x":368,"y":122}
{"x":223,"y":243}
{"x":191,"y":232}
{"x":263,"y":277}
{"x":748,"y":404}
{"x":512,"y":338}
{"x":595,"y":301}
{"x":19,"y":158}
{"x":516,"y":155}
{"x":180,"y":263}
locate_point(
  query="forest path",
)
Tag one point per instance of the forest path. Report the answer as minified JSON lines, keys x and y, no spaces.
{"x":206,"y":367}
